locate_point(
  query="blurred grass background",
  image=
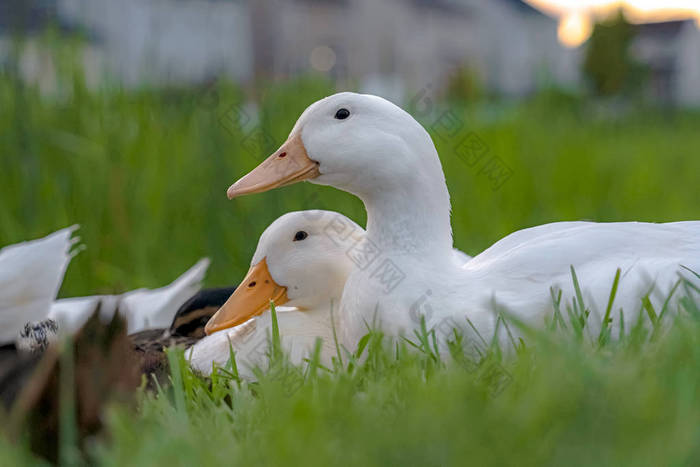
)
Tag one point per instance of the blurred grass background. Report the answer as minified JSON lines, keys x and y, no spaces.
{"x":145,"y":172}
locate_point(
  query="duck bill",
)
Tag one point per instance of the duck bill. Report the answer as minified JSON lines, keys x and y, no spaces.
{"x":250,"y":299}
{"x":289,"y":164}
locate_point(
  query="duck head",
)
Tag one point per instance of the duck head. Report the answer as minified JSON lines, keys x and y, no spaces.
{"x":297,"y":263}
{"x":359,"y":143}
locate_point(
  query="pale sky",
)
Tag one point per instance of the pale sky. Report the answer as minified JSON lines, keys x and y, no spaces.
{"x":576,"y":16}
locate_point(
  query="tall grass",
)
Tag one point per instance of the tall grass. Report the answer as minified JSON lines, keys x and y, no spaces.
{"x":557,"y":401}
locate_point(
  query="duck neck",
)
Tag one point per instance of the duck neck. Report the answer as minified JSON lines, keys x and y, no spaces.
{"x":411,"y":218}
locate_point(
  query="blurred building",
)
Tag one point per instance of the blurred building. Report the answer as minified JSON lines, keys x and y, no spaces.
{"x":389,"y":47}
{"x":408,"y":44}
{"x":671,"y":53}
{"x":384,"y":46}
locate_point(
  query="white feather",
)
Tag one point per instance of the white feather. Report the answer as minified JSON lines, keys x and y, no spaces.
{"x":143,"y":308}
{"x":31,"y":274}
{"x":250,"y":341}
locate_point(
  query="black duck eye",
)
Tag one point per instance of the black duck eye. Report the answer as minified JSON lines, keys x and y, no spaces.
{"x":299,"y":236}
{"x":342,"y":114}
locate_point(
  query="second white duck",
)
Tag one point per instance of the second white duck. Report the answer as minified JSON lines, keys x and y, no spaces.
{"x":298,"y":263}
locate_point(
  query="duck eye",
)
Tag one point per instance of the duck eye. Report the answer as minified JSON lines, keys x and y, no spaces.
{"x":342,"y":114}
{"x":299,"y":236}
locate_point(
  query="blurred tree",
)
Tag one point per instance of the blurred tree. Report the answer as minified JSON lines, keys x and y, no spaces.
{"x":609,"y":65}
{"x":464,"y":85}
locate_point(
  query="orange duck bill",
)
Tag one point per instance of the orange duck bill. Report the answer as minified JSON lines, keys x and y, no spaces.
{"x":289,"y":164}
{"x":251,"y":298}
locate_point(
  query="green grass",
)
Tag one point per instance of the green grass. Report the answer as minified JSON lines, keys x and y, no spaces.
{"x":558,"y":400}
{"x":145,"y":172}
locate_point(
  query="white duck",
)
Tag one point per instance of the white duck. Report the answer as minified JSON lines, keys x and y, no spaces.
{"x":369,"y":147}
{"x":30,"y":275}
{"x":299,"y":262}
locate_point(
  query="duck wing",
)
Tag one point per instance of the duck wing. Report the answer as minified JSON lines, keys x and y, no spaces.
{"x":30,"y":275}
{"x":153,"y":309}
{"x":652,"y":258}
{"x":143,"y":308}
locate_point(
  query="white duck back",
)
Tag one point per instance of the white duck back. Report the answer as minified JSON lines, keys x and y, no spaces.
{"x":518,"y":275}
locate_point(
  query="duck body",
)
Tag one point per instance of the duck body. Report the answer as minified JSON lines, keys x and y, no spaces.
{"x":371,"y":148}
{"x":250,"y":341}
{"x":522,"y":276}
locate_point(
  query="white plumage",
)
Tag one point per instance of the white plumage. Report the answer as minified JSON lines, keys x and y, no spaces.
{"x":250,"y":341}
{"x":143,"y":308}
{"x":379,"y":153}
{"x":30,"y":275}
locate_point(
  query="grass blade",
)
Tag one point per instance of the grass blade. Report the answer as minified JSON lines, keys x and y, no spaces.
{"x":68,"y":432}
{"x":556,"y":304}
{"x":607,"y":321}
{"x":664,"y":309}
{"x":579,"y":305}
{"x":276,"y":345}
{"x":177,"y":382}
{"x":649,"y":308}
{"x":335,"y":337}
